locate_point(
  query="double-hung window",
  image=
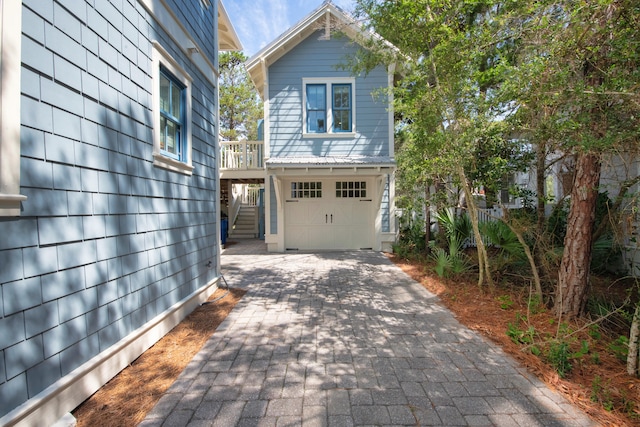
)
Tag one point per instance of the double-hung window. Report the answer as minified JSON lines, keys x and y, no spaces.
{"x":172,"y":106}
{"x":328,"y":107}
{"x":316,"y":108}
{"x":172,"y":113}
{"x":341,"y":107}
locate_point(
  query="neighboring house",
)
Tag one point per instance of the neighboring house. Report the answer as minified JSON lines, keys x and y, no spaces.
{"x":328,"y":139}
{"x":109,"y":227}
{"x":618,"y":170}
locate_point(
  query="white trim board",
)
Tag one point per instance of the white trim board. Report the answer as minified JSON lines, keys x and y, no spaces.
{"x":169,"y":22}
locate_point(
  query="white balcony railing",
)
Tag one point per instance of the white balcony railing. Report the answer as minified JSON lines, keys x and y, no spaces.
{"x":241,"y":155}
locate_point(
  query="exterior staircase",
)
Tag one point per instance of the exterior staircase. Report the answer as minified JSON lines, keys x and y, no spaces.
{"x":245,"y":226}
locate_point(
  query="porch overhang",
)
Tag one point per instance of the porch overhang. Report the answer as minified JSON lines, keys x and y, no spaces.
{"x":330,"y":165}
{"x":243,"y":174}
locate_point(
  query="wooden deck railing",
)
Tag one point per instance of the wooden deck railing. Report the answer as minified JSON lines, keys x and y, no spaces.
{"x":241,"y":155}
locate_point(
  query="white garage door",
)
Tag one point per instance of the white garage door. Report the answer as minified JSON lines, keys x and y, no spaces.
{"x":328,"y":214}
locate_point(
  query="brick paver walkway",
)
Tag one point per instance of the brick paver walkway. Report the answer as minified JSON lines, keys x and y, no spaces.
{"x":342,"y":339}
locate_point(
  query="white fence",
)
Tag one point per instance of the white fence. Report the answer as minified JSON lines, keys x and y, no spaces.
{"x":484,"y":215}
{"x":250,"y":196}
{"x":242,"y":194}
{"x":241,"y":155}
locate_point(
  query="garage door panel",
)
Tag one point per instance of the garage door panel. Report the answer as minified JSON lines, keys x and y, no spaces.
{"x":329,"y":222}
{"x":297,"y":237}
{"x":321,"y":238}
{"x":316,"y":214}
{"x":343,"y":213}
{"x":297,"y":213}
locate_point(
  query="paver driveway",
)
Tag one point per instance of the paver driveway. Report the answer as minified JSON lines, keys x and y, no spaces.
{"x":345,"y":339}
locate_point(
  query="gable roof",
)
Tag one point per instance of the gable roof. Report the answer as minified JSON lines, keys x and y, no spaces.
{"x":227,"y":36}
{"x":327,"y":16}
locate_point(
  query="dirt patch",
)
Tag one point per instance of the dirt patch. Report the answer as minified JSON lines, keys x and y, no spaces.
{"x":130,"y":395}
{"x":597,"y":383}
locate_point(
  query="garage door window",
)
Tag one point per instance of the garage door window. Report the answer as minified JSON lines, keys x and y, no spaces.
{"x":351,"y":189}
{"x":306,"y":190}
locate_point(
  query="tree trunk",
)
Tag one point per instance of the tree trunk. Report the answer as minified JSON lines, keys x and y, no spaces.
{"x":573,"y":277}
{"x":541,"y":167}
{"x":632,"y":356}
{"x":472,"y":208}
{"x":427,"y":217}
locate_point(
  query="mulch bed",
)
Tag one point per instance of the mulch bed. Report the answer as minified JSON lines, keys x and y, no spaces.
{"x":130,"y":395}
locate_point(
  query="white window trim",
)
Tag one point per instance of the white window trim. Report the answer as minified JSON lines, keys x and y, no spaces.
{"x":161,"y":57}
{"x":10,"y":51}
{"x":329,"y":81}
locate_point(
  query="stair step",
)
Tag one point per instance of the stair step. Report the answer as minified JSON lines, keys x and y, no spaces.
{"x":242,"y":236}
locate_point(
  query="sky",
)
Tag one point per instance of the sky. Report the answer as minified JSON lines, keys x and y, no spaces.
{"x":259,"y":22}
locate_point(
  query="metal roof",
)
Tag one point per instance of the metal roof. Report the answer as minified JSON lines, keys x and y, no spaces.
{"x":330,"y":161}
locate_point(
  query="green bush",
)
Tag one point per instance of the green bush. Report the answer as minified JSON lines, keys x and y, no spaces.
{"x":558,"y":355}
{"x":502,"y":237}
{"x":457,"y":228}
{"x":411,"y":241}
{"x":620,"y":348}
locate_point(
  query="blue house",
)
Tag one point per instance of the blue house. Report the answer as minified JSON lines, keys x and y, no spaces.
{"x":328,"y":139}
{"x":109,"y":213}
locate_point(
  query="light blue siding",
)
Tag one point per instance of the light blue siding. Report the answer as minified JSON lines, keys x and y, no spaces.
{"x":319,"y":58}
{"x":385,"y":207}
{"x":106,"y":241}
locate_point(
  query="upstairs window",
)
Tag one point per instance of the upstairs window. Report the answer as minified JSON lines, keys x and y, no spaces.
{"x":172,"y":123}
{"x":316,"y":108}
{"x":341,"y":107}
{"x":328,"y":107}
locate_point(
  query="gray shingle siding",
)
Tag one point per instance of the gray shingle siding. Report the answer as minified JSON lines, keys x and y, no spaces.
{"x":320,"y":58}
{"x":106,"y":241}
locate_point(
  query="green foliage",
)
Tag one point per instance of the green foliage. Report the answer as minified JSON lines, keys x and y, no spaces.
{"x":450,"y":263}
{"x":558,"y":351}
{"x":411,"y":242}
{"x":594,"y":331}
{"x":605,"y":255}
{"x":534,"y":304}
{"x":240,"y":105}
{"x":443,"y":261}
{"x":502,"y":237}
{"x":457,"y":228}
{"x":505,"y":302}
{"x":558,"y":355}
{"x":614,"y":317}
{"x":519,"y":335}
{"x":601,"y":393}
{"x":452,"y":260}
{"x":557,"y":223}
{"x":620,"y":348}
{"x":484,"y":81}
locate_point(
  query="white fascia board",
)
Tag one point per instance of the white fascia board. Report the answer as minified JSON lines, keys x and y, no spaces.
{"x":165,"y":17}
{"x":232,"y":41}
{"x":296,"y":34}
